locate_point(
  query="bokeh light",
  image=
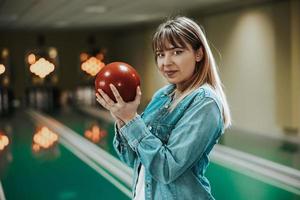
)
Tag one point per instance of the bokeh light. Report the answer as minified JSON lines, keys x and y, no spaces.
{"x":44,"y":138}
{"x":4,"y":141}
{"x":83,"y":57}
{"x":4,"y":53}
{"x":95,"y":134}
{"x":92,"y":66}
{"x":2,"y":69}
{"x":31,"y":59}
{"x":52,"y":53}
{"x":42,"y":68}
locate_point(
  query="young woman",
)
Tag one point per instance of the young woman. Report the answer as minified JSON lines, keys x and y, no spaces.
{"x":169,"y":143}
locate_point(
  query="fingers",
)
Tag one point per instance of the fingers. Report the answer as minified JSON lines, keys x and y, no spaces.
{"x":116,"y":93}
{"x":106,"y":98}
{"x":138,"y":94}
{"x":101,"y":101}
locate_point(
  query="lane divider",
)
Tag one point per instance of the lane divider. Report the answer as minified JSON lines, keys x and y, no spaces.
{"x":267,"y":171}
{"x":92,"y":164}
{"x":2,"y":196}
{"x":258,"y":168}
{"x":276,"y":135}
{"x":74,"y":141}
{"x":96,"y":112}
{"x":272,"y":173}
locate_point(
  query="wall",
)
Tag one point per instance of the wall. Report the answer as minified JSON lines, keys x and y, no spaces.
{"x":295,"y":62}
{"x":256,"y":65}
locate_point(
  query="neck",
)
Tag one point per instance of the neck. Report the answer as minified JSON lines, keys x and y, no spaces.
{"x":176,"y":94}
{"x":180,"y":87}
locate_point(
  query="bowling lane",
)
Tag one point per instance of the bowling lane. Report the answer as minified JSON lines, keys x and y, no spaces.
{"x":81,"y":123}
{"x":283,"y":151}
{"x":227,"y":182}
{"x":53,"y":173}
{"x":230,"y":184}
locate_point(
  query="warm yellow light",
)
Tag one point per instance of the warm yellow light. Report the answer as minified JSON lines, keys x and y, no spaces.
{"x":4,"y":141}
{"x":100,"y":56}
{"x":42,"y":68}
{"x":83,"y":57}
{"x":2,"y":69}
{"x":1,"y":146}
{"x":35,"y":147}
{"x":31,"y":59}
{"x":52,"y":53}
{"x":92,"y":66}
{"x":5,"y":53}
{"x":95,"y":129}
{"x":37,"y":138}
{"x":95,"y":134}
{"x":45,"y":138}
{"x":88,"y":134}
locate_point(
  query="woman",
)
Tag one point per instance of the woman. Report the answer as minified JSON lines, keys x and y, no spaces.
{"x":168,"y":145}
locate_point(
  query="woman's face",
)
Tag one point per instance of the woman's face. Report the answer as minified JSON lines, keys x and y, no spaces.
{"x":177,"y":65}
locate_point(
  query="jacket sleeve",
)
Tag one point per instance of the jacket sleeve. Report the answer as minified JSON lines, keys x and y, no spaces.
{"x":125,"y":153}
{"x":199,"y":127}
{"x":120,"y":143}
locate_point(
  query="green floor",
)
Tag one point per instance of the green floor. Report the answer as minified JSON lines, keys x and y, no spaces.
{"x":58,"y":174}
{"x":280,"y":151}
{"x":51,"y":174}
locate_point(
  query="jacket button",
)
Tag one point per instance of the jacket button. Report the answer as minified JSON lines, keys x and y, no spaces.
{"x":166,"y":106}
{"x":150,"y":128}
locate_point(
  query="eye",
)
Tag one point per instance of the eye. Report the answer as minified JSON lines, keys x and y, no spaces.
{"x":178,"y":52}
{"x":160,"y":54}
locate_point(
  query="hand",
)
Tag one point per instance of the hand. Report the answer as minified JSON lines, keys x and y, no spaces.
{"x":124,"y":111}
{"x":119,"y":122}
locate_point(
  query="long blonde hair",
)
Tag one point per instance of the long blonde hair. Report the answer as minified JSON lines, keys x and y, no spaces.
{"x":180,"y":31}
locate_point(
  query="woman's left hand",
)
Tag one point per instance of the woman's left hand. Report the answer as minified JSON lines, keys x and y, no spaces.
{"x":122,"y":110}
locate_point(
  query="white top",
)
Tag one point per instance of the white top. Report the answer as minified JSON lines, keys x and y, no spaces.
{"x":140,"y":186}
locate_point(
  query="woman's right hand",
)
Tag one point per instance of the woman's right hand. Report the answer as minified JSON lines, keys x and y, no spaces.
{"x":119,"y":122}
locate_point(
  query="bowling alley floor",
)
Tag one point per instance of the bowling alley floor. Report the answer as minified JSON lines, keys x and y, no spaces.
{"x":53,"y":173}
{"x":283,"y":151}
{"x":59,"y":172}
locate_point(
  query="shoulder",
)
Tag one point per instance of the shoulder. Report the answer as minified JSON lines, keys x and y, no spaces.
{"x":207,"y":94}
{"x":164,"y":91}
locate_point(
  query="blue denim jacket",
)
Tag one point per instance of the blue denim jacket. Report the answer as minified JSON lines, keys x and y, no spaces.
{"x":173,"y":146}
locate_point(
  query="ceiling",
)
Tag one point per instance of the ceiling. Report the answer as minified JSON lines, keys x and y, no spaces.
{"x":64,"y":14}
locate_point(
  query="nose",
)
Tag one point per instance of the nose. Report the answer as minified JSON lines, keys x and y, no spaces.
{"x":167,"y":60}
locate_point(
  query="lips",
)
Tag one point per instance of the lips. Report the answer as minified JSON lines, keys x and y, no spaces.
{"x":170,"y":73}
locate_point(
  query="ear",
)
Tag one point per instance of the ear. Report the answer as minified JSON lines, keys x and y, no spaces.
{"x":199,"y":54}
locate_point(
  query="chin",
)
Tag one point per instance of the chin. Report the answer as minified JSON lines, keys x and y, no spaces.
{"x":172,"y":81}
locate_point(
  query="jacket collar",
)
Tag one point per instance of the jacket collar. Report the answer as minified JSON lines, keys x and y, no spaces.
{"x":169,"y":89}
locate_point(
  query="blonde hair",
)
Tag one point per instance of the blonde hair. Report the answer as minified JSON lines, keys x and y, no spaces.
{"x":179,"y":32}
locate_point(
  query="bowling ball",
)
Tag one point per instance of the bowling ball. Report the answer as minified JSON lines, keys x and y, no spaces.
{"x":122,"y":76}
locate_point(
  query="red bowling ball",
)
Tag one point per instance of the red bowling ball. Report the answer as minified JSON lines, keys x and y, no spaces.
{"x":122,"y":76}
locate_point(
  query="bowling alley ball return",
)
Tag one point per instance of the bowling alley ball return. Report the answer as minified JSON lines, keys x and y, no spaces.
{"x":123,"y":76}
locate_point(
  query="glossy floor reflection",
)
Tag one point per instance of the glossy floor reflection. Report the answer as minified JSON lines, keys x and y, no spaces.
{"x":51,"y":171}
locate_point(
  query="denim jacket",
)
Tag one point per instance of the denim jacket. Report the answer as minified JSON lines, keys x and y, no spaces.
{"x":173,"y":146}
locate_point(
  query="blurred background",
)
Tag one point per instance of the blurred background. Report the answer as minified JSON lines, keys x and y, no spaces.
{"x":56,"y":142}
